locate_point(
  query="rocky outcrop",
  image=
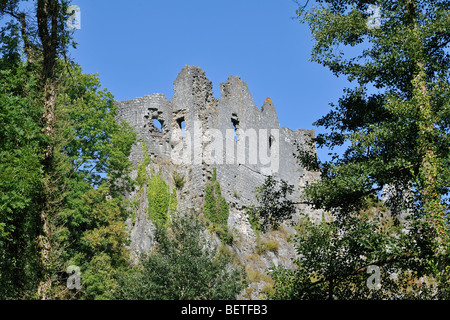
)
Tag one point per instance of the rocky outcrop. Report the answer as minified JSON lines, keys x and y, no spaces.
{"x":196,"y":132}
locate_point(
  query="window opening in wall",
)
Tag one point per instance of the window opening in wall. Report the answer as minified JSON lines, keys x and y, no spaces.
{"x":271,"y":139}
{"x":235,"y":122}
{"x":181,"y":124}
{"x":158,"y":124}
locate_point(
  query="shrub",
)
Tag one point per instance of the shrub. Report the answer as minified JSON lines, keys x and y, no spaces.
{"x":183,"y":267}
{"x":178,"y":180}
{"x":266,"y":246}
{"x":216,"y":208}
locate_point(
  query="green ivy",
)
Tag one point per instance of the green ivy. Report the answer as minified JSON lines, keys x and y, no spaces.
{"x":216,"y":208}
{"x":160,"y":200}
{"x":142,"y":167}
{"x":173,"y":202}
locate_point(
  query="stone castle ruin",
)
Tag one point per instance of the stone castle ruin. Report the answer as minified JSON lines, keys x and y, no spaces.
{"x":195,"y":133}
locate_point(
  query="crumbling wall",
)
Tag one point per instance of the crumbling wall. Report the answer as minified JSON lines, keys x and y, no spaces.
{"x":196,"y":132}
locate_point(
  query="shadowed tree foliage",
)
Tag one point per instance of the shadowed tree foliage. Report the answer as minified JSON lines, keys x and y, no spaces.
{"x":63,"y":158}
{"x":274,"y":205}
{"x":183,"y":266}
{"x":394,"y":126}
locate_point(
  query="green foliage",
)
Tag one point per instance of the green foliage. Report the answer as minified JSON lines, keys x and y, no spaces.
{"x":141,"y":178}
{"x":274,"y":205}
{"x":173,"y":200}
{"x":384,"y":129}
{"x":263,"y":246}
{"x":20,"y":178}
{"x":254,"y":219}
{"x":90,"y":135}
{"x":63,"y":160}
{"x":94,"y":237}
{"x":183,"y":267}
{"x":133,"y":204}
{"x":94,"y":151}
{"x":334,"y":259}
{"x":161,"y":202}
{"x":216,"y":209}
{"x":100,"y":279}
{"x":95,"y":223}
{"x":394,"y":127}
{"x":90,"y":150}
{"x":178,"y":179}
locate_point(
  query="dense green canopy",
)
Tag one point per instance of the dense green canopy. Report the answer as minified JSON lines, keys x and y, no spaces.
{"x":394,"y":126}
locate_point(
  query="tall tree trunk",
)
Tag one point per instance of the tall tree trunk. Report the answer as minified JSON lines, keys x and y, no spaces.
{"x":47,"y":18}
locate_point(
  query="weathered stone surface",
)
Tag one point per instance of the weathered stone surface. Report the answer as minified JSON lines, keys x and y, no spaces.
{"x":244,"y":143}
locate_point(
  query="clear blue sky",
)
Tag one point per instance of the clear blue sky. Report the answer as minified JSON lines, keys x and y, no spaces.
{"x":138,"y":47}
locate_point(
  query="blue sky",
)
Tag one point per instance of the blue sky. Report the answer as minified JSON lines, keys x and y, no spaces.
{"x":138,"y":47}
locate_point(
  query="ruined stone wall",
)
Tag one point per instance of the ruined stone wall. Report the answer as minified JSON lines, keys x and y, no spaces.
{"x":199,"y":132}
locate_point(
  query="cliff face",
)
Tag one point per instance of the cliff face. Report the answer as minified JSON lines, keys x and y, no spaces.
{"x":195,"y":133}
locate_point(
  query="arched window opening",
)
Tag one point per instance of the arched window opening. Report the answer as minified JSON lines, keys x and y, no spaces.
{"x":181,"y":124}
{"x":271,"y":140}
{"x":158,"y":124}
{"x":235,"y":122}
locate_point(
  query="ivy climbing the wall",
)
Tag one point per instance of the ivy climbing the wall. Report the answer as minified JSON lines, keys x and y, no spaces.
{"x":216,"y":209}
{"x":142,"y":167}
{"x":161,"y":200}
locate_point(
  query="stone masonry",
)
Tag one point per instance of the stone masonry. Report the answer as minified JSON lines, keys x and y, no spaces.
{"x":196,"y":132}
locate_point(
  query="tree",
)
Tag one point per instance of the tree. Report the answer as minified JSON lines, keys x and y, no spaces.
{"x":183,"y":266}
{"x":361,"y":258}
{"x":43,"y":58}
{"x":20,"y":174}
{"x":393,"y":124}
{"x":93,"y":238}
{"x":61,"y":141}
{"x":274,"y":205}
